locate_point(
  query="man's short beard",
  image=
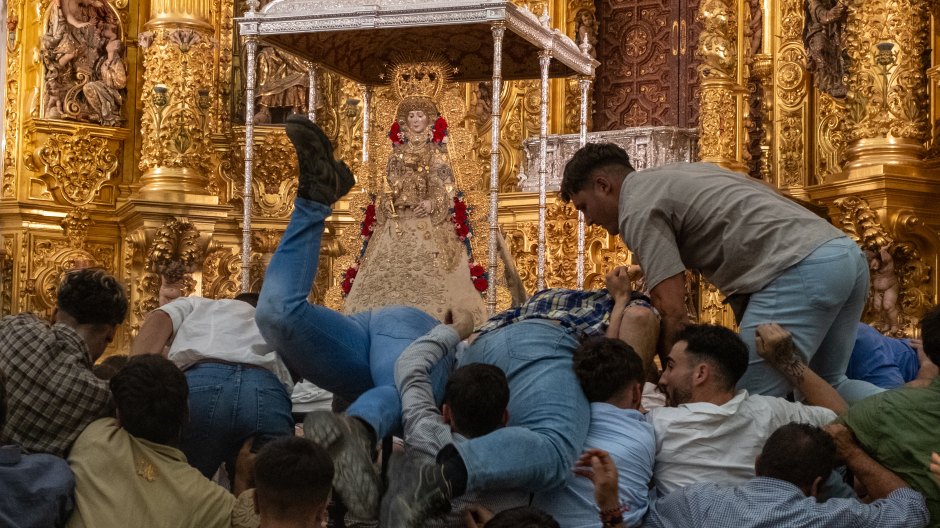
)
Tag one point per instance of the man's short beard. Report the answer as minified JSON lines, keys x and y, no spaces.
{"x":679,"y":395}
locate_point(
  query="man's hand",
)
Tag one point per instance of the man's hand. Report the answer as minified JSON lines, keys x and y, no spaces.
{"x":603,"y":474}
{"x":775,"y":346}
{"x":619,"y":285}
{"x":935,"y":467}
{"x":460,"y":320}
{"x":475,"y":516}
{"x":244,"y":469}
{"x":846,"y":444}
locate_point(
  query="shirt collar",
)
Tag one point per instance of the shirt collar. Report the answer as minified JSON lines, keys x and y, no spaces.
{"x":727,"y":409}
{"x":778,"y":487}
{"x":10,"y":455}
{"x":83,"y":347}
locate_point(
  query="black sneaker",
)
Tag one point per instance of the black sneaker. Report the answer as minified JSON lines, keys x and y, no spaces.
{"x":322,"y":178}
{"x":416,"y":493}
{"x":355,"y":478}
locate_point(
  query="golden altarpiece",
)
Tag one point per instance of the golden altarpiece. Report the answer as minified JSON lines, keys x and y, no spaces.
{"x":124,"y":137}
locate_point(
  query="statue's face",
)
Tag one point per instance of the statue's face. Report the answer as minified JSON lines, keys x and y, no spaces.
{"x":417,"y":121}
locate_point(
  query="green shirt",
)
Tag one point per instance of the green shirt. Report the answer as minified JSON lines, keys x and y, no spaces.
{"x":900,"y":428}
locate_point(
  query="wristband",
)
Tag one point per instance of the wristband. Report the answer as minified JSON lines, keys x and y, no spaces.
{"x":614,"y":516}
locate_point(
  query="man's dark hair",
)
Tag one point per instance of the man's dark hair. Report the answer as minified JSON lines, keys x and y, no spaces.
{"x":293,"y":476}
{"x":930,"y":332}
{"x":152,"y":398}
{"x":92,"y":296}
{"x":3,"y":403}
{"x":109,"y":367}
{"x":522,"y":517}
{"x":588,"y":159}
{"x":605,"y":367}
{"x":798,"y":453}
{"x":478,"y":395}
{"x":250,"y":298}
{"x":721,"y":348}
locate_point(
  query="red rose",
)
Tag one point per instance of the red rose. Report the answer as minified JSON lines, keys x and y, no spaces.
{"x":351,"y":274}
{"x":480,"y":284}
{"x":460,"y":217}
{"x":477,"y":271}
{"x":440,"y":130}
{"x":365,"y":230}
{"x":463,"y":230}
{"x":370,"y":211}
{"x":346,"y":286}
{"x":395,"y":134}
{"x":460,"y":207}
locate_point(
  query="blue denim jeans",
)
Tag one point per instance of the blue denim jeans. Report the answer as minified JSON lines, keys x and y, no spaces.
{"x":819,"y":300}
{"x":548,"y":413}
{"x":227,"y":406}
{"x":352,"y":356}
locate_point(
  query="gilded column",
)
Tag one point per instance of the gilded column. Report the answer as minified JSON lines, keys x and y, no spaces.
{"x":720,"y":131}
{"x":888,"y":103}
{"x":762,"y":68}
{"x":177,"y":98}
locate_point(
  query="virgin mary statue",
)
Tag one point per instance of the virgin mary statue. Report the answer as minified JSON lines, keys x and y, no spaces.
{"x":417,"y":232}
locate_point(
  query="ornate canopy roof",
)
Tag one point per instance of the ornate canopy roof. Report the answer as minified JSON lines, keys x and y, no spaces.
{"x":361,"y":41}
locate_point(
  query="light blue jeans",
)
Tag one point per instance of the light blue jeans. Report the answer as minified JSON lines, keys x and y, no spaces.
{"x":548,"y":413}
{"x":352,"y":356}
{"x":819,"y":300}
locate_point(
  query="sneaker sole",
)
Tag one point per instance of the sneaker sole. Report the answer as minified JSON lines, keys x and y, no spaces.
{"x":355,"y":478}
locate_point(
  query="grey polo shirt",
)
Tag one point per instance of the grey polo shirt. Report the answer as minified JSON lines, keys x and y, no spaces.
{"x":739,"y":233}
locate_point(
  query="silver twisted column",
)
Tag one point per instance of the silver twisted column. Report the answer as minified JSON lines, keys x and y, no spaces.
{"x":366,"y":110}
{"x":499,"y":29}
{"x":312,"y":94}
{"x":251,"y":46}
{"x":585,"y":84}
{"x":545,"y":59}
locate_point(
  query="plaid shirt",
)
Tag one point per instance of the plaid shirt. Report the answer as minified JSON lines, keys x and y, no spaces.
{"x":771,"y":502}
{"x":588,"y":311}
{"x":51,"y":391}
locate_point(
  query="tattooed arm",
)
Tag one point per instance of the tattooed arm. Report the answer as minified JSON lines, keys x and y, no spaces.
{"x":775,"y":346}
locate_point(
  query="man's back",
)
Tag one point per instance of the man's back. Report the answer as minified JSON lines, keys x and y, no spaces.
{"x":738,"y":232}
{"x":53,"y":393}
{"x":631,"y":443}
{"x":767,"y":502}
{"x":702,"y":442}
{"x":125,"y":481}
{"x":900,"y":429}
{"x":36,"y":491}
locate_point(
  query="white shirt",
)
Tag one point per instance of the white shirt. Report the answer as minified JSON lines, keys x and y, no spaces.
{"x":220,"y":329}
{"x":703,"y":442}
{"x":307,"y":397}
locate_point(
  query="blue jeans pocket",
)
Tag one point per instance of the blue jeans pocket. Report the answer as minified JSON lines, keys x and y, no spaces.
{"x":828,"y":278}
{"x":202,"y":404}
{"x":274,"y":411}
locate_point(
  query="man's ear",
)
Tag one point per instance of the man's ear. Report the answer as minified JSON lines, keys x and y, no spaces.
{"x":112,"y":331}
{"x":602,"y":183}
{"x":700,"y":374}
{"x":637,"y":395}
{"x":814,"y":490}
{"x":505,"y":420}
{"x":447,"y":415}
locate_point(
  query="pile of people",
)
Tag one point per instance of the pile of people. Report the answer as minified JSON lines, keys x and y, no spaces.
{"x":554,"y":413}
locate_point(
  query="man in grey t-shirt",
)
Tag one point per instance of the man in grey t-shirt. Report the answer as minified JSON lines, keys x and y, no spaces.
{"x":776,"y":261}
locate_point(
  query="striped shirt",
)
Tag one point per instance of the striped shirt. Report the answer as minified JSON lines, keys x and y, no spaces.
{"x":588,"y":312}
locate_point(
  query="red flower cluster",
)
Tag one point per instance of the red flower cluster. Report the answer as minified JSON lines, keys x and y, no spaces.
{"x":440,"y":130}
{"x":477,"y":273}
{"x":350,"y":277}
{"x":368,"y":225}
{"x":461,"y":220}
{"x":395,"y":134}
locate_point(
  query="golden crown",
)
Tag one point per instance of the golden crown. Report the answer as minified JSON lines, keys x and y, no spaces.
{"x":420,"y":77}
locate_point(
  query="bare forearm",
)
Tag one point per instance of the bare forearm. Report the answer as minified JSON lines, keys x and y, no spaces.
{"x":879,"y":481}
{"x":154,"y":334}
{"x":616,"y":317}
{"x":816,"y":390}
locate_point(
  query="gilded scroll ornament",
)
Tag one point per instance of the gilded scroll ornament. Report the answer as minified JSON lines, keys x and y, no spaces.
{"x":899,"y":275}
{"x":174,"y":255}
{"x":830,"y":134}
{"x":790,"y":148}
{"x":717,"y":45}
{"x":75,"y":166}
{"x":76,"y":224}
{"x":11,"y":97}
{"x":885,"y":43}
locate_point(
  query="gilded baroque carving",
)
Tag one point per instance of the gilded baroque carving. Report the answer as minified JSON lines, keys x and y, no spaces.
{"x":221,"y":273}
{"x":718,"y":121}
{"x":822,"y":39}
{"x":45,"y":258}
{"x":76,"y":224}
{"x":11,"y":115}
{"x":84,"y":75}
{"x":177,"y":97}
{"x":900,"y":277}
{"x":274,"y":177}
{"x":885,"y":43}
{"x":173,"y":256}
{"x":718,"y":49}
{"x":790,"y":148}
{"x":283,"y":85}
{"x":226,"y":10}
{"x":76,"y":165}
{"x":830,"y":134}
{"x":791,"y":89}
{"x":718,"y":43}
{"x":519,"y":119}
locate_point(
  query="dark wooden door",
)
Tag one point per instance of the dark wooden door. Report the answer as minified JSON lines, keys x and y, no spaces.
{"x":647,"y":77}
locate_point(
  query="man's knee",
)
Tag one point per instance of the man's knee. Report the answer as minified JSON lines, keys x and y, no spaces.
{"x":641,"y":317}
{"x":273,"y":320}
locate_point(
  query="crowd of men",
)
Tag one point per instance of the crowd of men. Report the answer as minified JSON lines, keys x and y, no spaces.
{"x":602,"y":408}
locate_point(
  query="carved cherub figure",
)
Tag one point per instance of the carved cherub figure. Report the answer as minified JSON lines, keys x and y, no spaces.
{"x":587,"y":29}
{"x":822,"y":38}
{"x":885,"y":289}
